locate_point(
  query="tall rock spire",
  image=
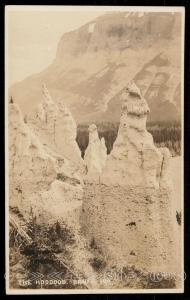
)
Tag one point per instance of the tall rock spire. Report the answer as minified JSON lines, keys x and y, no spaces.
{"x":134,"y":159}
{"x":95,"y":154}
{"x":128,"y":213}
{"x":57,"y":129}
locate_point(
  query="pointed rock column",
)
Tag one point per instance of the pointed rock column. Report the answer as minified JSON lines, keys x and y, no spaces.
{"x":65,"y":137}
{"x":95,"y":154}
{"x":57,"y":129}
{"x":128,"y":214}
{"x":134,"y":158}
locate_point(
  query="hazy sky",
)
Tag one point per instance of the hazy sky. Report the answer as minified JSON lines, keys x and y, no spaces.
{"x":33,"y":37}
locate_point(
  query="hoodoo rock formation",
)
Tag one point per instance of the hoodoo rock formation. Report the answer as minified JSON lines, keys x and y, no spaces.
{"x":95,"y":154}
{"x":128,"y":213}
{"x":134,"y":159}
{"x":56,"y":128}
{"x":31,"y":169}
{"x":39,"y":178}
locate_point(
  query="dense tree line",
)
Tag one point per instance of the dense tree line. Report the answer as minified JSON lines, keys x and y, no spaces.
{"x":165,"y":134}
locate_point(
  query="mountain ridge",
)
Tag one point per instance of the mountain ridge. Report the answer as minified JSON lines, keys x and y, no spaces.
{"x":94,"y":63}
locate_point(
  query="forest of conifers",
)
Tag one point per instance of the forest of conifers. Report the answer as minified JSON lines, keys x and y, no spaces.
{"x":165,"y":134}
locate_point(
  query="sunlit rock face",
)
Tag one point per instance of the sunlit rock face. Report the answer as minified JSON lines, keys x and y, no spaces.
{"x":40,"y":180}
{"x":31,"y":169}
{"x":57,"y":129}
{"x":134,"y":159}
{"x":95,"y":155}
{"x":128,"y":213}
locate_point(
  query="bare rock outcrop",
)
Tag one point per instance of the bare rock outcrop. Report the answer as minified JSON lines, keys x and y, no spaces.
{"x":57,"y":129}
{"x":134,"y":159}
{"x":95,"y":154}
{"x":39,"y":178}
{"x":30,"y":167}
{"x":128,"y":213}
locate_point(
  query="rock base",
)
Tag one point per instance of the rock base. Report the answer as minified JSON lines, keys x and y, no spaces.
{"x":131,"y":226}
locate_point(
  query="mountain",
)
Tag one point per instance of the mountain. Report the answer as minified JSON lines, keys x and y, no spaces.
{"x":94,"y":63}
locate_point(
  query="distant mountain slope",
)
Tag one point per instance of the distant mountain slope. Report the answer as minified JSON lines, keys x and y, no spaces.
{"x":95,"y":62}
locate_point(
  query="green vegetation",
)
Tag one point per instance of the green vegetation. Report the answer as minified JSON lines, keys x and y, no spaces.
{"x":165,"y":134}
{"x":48,"y":253}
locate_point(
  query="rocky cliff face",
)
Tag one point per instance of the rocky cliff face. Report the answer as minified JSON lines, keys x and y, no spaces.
{"x":94,"y":62}
{"x":128,"y":213}
{"x":118,"y":31}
